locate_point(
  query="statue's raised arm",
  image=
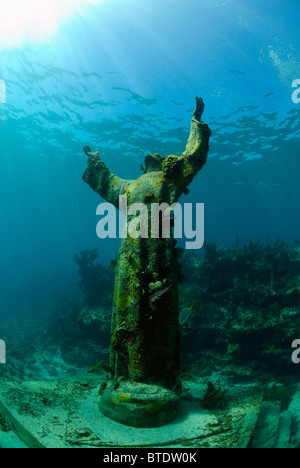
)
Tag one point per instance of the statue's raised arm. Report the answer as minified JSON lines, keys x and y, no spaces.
{"x":195,"y":155}
{"x":179,"y":171}
{"x":100,"y":178}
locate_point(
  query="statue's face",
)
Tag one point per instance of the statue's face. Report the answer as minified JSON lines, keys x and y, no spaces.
{"x":153,"y":162}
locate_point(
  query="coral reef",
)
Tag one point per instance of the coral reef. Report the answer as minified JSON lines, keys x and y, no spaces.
{"x":247,"y":303}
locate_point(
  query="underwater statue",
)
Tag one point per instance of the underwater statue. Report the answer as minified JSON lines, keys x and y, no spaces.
{"x":144,"y":359}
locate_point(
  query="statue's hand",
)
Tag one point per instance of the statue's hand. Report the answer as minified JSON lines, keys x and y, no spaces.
{"x":199,"y":109}
{"x":90,"y":153}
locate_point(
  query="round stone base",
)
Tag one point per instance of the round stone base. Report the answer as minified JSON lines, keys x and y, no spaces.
{"x":139,"y":405}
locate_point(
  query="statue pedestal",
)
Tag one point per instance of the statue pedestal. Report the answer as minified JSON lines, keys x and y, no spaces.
{"x":139,"y":405}
{"x":64,"y":414}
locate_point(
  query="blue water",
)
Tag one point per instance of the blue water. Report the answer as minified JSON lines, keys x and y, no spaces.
{"x":122,"y":77}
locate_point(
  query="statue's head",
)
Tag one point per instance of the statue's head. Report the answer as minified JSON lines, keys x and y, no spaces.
{"x":153,"y":162}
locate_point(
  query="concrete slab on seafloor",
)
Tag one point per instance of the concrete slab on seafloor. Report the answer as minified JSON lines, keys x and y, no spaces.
{"x":64,"y":414}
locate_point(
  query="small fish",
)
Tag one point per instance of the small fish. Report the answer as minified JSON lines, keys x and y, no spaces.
{"x":156,"y":296}
{"x":94,"y":369}
{"x":185,"y":314}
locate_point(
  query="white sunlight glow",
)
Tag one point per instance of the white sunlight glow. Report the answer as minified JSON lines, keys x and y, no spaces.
{"x":35,"y":20}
